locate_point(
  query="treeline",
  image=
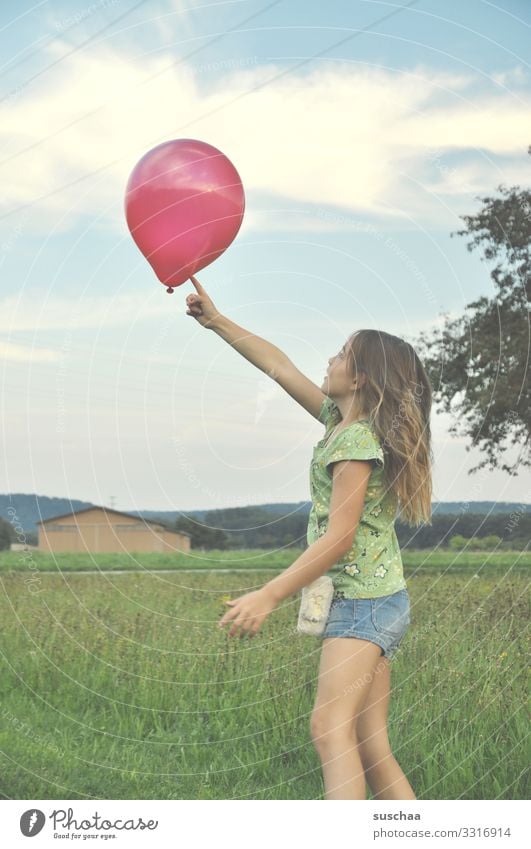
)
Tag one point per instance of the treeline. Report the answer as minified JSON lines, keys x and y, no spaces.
{"x":247,"y":527}
{"x":256,"y":527}
{"x":24,"y":509}
{"x":514,"y":530}
{"x":285,"y":526}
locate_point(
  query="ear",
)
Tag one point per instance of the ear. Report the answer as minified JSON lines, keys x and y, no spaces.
{"x":359,"y":380}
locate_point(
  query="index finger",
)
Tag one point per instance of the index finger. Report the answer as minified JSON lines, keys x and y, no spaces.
{"x":197,"y":284}
{"x":228,"y":616}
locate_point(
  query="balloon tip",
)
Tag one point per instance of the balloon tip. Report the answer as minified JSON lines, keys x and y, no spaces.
{"x":169,"y":290}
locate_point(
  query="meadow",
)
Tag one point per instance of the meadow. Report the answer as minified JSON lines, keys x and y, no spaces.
{"x":281,"y":558}
{"x":121,"y":686}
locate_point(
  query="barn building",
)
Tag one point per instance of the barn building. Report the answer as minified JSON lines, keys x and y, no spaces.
{"x":101,"y":529}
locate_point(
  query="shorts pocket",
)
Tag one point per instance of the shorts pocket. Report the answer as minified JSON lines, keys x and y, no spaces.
{"x":390,"y":614}
{"x":340,"y":613}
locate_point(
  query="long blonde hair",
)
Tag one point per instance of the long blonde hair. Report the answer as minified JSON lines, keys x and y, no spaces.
{"x":397,"y":397}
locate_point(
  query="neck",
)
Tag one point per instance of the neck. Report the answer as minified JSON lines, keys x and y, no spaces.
{"x":349,"y":409}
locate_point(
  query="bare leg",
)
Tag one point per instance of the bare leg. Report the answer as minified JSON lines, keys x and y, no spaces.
{"x":384,"y":775}
{"x":345,"y":676}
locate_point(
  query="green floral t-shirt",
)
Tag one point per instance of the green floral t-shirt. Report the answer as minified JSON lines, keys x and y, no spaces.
{"x":373,"y":566}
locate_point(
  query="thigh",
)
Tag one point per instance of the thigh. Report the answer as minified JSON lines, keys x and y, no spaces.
{"x":345,"y":675}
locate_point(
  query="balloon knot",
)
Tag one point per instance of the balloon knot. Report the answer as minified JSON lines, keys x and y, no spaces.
{"x":169,"y":290}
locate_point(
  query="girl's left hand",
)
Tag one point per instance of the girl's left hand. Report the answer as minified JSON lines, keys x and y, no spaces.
{"x":249,"y":612}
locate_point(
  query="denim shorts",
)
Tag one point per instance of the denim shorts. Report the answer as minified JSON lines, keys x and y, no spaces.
{"x":382,"y":620}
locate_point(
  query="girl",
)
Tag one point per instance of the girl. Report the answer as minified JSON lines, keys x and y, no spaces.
{"x":375,"y":456}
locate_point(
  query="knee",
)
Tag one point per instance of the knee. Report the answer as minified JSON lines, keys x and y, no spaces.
{"x":328,"y":731}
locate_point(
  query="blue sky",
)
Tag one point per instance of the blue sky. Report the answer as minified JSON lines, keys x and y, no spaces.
{"x":357,"y":161}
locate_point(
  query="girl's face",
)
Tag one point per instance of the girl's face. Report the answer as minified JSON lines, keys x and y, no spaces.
{"x":338,"y":380}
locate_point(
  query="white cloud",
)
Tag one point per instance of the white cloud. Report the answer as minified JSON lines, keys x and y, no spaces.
{"x":24,"y":354}
{"x":25,"y":312}
{"x":499,"y":125}
{"x":344,"y":136}
{"x":512,"y":76}
{"x":473,"y":178}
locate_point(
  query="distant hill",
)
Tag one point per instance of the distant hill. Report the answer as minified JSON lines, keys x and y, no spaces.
{"x":455,"y":508}
{"x":30,"y":508}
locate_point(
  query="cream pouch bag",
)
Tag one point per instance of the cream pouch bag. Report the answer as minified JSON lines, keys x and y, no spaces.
{"x":315,"y":606}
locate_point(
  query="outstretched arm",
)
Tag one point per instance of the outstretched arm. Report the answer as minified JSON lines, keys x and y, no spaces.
{"x":261,"y":353}
{"x":349,"y":484}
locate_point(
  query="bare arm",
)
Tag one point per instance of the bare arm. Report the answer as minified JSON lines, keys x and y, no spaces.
{"x":349,"y":485}
{"x":261,"y":353}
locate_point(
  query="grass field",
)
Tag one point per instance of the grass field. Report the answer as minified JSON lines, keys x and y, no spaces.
{"x":121,"y":686}
{"x":245,"y":559}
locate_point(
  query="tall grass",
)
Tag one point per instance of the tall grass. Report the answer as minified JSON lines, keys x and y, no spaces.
{"x":122,"y":686}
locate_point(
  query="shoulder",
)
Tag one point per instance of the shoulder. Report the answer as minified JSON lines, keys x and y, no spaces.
{"x":357,"y":441}
{"x":329,"y":414}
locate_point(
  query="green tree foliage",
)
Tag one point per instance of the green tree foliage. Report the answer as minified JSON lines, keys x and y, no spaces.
{"x":487,"y":543}
{"x":7,"y":535}
{"x":256,"y":527}
{"x":203,"y":536}
{"x":479,"y":363}
{"x":458,"y":542}
{"x":456,"y":531}
{"x":491,"y":541}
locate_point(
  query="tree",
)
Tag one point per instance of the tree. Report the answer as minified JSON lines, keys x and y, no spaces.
{"x":491,"y":541}
{"x":7,"y":534}
{"x":487,"y":543}
{"x":478,"y":363}
{"x":202,"y":535}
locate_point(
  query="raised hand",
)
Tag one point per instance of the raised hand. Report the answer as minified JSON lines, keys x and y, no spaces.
{"x":200,"y":306}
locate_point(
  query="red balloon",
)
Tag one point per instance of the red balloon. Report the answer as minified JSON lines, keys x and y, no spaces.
{"x":184,"y":205}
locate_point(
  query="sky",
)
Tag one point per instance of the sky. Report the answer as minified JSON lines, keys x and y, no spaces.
{"x":361,"y":129}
